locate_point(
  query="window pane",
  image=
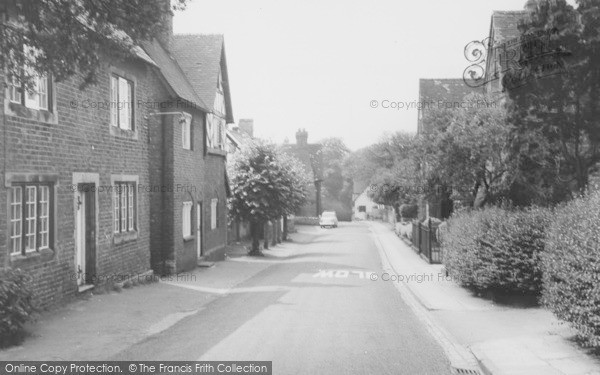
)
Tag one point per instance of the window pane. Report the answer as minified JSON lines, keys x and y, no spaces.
{"x":125,"y":106}
{"x":123,"y":192}
{"x":116,"y":201}
{"x":44,"y":216}
{"x":30,"y":218}
{"x":14,"y":86}
{"x":16,"y":223}
{"x":130,"y":213}
{"x":114,"y":101}
{"x":209,"y":130}
{"x":42,"y":92}
{"x":213,"y":213}
{"x":187,"y":219}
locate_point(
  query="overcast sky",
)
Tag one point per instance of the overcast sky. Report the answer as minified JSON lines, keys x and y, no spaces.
{"x":318,"y":64}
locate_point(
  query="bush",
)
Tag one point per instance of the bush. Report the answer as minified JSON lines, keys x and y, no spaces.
{"x":16,"y":305}
{"x":496,"y":249}
{"x":409,"y":211}
{"x":572,"y":267}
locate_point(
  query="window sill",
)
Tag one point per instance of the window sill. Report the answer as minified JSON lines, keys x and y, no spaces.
{"x":118,"y":132}
{"x":217,"y":152}
{"x":43,"y":255}
{"x":119,"y":238}
{"x":40,"y":115}
{"x":188,"y":238}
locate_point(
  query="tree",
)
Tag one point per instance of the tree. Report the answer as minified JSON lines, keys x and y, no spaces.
{"x":467,"y":150}
{"x":337,"y":183}
{"x":556,"y":117}
{"x":69,"y":37}
{"x":266,"y":185}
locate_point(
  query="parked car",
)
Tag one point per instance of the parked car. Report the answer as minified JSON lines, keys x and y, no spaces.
{"x":328,"y":219}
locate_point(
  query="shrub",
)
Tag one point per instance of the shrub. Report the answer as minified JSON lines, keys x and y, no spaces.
{"x":16,"y":305}
{"x":572,"y":267}
{"x":497,"y":249}
{"x":409,"y":211}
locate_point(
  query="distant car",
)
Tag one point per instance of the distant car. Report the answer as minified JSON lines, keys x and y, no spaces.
{"x":328,"y":219}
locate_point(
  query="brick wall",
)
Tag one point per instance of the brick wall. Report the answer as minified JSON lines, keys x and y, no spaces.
{"x":214,"y":187}
{"x":80,"y":141}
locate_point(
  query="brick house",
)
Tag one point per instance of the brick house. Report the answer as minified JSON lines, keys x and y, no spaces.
{"x":203,"y":60}
{"x":107,"y":183}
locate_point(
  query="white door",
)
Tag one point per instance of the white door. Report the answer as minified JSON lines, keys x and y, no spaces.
{"x":199,"y":229}
{"x":80,"y":234}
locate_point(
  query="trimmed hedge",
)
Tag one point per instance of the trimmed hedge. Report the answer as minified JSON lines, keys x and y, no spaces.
{"x":571,"y":266}
{"x":496,"y":249}
{"x":16,"y":305}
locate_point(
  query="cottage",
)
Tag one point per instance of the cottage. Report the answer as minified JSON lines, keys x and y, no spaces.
{"x":125,"y":177}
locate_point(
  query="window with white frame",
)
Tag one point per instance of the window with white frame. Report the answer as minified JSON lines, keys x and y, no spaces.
{"x":30,"y":218}
{"x":37,"y":94}
{"x":36,"y":97}
{"x":121,"y":102}
{"x":213,"y":213}
{"x":186,"y":132}
{"x":186,"y":219}
{"x":124,"y":200}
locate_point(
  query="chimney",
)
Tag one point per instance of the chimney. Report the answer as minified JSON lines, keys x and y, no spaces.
{"x":165,"y":35}
{"x":247,"y":126}
{"x":301,"y":137}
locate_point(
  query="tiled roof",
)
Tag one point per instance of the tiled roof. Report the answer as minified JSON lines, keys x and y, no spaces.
{"x":202,"y":57}
{"x":504,"y":25}
{"x":240,"y":137}
{"x":174,"y":75}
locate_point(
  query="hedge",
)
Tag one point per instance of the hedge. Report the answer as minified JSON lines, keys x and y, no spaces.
{"x":571,"y":267}
{"x":496,"y":249}
{"x":16,"y":305}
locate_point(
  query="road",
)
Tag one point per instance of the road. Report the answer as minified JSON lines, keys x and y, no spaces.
{"x":312,"y":310}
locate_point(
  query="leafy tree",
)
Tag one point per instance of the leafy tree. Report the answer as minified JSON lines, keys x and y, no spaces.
{"x":266,"y":185}
{"x":70,"y":36}
{"x":467,"y":150}
{"x":556,"y":135}
{"x":337,"y":183}
{"x":389,"y":166}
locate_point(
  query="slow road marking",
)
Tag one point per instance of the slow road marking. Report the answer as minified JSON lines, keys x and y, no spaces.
{"x":343,"y":274}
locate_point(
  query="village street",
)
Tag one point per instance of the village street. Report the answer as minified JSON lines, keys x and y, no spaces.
{"x":310,"y":306}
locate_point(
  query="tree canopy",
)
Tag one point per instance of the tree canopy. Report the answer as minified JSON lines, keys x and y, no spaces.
{"x":556,"y":112}
{"x":69,"y":37}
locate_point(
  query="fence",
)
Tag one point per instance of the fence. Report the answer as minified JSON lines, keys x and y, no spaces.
{"x":425,"y":242}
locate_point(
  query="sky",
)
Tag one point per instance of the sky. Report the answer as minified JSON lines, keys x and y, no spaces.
{"x":323,"y":65}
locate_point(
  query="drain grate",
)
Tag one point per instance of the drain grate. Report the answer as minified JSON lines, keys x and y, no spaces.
{"x":465,"y":371}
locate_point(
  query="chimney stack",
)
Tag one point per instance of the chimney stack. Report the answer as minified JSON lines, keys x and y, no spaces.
{"x":301,"y":137}
{"x":247,"y":126}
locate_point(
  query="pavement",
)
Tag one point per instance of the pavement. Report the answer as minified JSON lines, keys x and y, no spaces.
{"x":505,"y":340}
{"x":351,"y":300}
{"x":309,"y":305}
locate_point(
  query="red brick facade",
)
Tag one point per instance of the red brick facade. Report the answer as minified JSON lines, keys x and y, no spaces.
{"x":74,"y":143}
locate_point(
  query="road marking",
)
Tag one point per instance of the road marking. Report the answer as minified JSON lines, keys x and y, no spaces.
{"x":342,"y":274}
{"x":223,"y":291}
{"x":168,"y":322}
